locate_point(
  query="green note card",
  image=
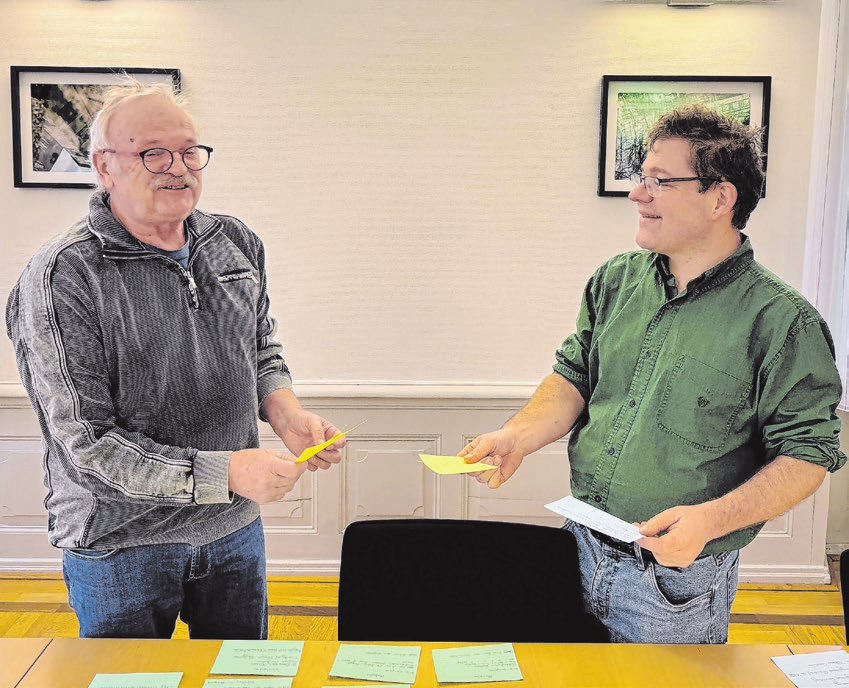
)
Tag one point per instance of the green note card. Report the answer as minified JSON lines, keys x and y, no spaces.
{"x":389,"y":663}
{"x":259,"y":657}
{"x":248,"y":683}
{"x":476,"y":664}
{"x":167,"y":679}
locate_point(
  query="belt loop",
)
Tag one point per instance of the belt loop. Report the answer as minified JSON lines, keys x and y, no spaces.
{"x":638,"y":553}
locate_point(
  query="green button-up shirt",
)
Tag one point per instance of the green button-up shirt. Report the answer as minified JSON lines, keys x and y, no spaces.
{"x":689,"y":395}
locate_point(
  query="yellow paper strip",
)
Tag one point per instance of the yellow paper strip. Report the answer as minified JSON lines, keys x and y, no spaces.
{"x":309,"y":452}
{"x":450,"y":465}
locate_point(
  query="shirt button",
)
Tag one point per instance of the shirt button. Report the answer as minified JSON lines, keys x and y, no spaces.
{"x":611,"y":451}
{"x":597,"y":498}
{"x":632,"y":403}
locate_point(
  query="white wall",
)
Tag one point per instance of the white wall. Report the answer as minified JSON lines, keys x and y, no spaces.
{"x":422,"y":171}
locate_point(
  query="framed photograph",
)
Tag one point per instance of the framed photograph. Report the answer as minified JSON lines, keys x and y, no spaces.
{"x":630,"y":104}
{"x":52,"y":110}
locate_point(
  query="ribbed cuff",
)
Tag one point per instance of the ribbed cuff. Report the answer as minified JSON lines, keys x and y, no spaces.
{"x":211,"y":478}
{"x":269,"y":383}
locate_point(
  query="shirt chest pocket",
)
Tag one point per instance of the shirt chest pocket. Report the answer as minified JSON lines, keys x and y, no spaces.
{"x":700,"y":404}
{"x":229,"y":297}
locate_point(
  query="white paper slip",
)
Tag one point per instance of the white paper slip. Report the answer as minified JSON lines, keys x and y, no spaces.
{"x":811,"y":670}
{"x":599,"y":520}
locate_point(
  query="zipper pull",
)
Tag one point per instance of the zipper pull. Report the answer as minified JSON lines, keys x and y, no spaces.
{"x":193,"y":290}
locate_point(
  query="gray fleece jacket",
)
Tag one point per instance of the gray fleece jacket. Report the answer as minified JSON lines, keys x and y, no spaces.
{"x":145,"y":376}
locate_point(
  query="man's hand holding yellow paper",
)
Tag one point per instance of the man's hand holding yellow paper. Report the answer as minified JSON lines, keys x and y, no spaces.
{"x":451,"y":465}
{"x":498,"y":449}
{"x":300,"y":429}
{"x":309,"y":452}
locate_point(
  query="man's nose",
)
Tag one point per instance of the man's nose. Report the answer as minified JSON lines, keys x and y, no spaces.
{"x":640,"y":194}
{"x":178,"y":167}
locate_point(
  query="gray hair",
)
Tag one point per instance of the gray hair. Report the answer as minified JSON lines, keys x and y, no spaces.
{"x":127,"y":90}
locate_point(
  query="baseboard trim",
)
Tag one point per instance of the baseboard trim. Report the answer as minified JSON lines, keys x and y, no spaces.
{"x":34,"y":565}
{"x":778,"y":573}
{"x":274,"y":567}
{"x":797,"y":575}
{"x":319,"y":567}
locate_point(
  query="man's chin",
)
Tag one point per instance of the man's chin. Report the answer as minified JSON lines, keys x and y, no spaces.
{"x":644,"y":241}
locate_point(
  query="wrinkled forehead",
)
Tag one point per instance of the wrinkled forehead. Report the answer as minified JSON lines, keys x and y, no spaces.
{"x":149,"y":121}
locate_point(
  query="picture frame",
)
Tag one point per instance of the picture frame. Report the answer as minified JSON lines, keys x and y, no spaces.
{"x":630,"y":104}
{"x":52,"y":111}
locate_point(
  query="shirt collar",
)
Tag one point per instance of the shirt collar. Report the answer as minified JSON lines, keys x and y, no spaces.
{"x":114,"y":236}
{"x":721,"y":272}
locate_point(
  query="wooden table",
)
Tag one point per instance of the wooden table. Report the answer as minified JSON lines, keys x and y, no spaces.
{"x":73,"y":662}
{"x":17,"y":655}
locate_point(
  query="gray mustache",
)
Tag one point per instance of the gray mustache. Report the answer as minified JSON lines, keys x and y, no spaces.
{"x":186,"y":180}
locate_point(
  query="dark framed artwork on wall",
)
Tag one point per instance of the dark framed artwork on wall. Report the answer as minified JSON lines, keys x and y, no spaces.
{"x":630,"y":104}
{"x":52,"y":111}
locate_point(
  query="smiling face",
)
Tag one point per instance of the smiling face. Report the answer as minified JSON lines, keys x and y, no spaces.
{"x":149,"y":204}
{"x":678,"y":223}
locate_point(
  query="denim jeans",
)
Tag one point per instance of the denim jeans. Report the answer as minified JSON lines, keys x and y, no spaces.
{"x":641,"y":601}
{"x":218,"y":589}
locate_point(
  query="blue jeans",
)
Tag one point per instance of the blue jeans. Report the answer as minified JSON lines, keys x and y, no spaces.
{"x":641,"y":601}
{"x":218,"y":589}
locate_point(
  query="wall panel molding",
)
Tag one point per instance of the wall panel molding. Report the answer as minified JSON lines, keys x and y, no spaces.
{"x":382,"y":477}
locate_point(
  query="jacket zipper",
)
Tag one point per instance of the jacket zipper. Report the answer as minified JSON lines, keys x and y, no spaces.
{"x":193,"y":288}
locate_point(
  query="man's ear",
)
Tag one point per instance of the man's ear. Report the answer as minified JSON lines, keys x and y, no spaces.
{"x":726,"y":198}
{"x":103,"y":169}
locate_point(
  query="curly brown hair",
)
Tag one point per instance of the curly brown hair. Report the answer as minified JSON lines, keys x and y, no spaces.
{"x":721,"y":147}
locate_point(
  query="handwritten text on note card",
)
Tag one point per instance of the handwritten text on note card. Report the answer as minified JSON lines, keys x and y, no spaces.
{"x":389,"y":663}
{"x":259,"y":657}
{"x":476,"y":664}
{"x":816,"y":669}
{"x":248,"y":683}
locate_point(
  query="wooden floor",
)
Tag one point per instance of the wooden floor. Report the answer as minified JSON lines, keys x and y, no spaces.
{"x":36,"y":605}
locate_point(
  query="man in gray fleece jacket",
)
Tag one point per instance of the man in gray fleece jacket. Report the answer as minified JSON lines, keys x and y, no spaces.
{"x":144,"y":340}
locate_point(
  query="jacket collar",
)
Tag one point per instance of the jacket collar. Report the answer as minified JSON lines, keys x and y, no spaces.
{"x":115,"y":237}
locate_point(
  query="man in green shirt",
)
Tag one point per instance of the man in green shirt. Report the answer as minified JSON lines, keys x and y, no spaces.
{"x":700,"y":391}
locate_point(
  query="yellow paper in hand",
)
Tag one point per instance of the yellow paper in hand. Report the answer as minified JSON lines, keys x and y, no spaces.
{"x":309,"y":452}
{"x":450,"y":465}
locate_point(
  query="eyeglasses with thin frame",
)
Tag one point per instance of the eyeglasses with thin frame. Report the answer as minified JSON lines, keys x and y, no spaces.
{"x":160,"y":160}
{"x":654,"y":185}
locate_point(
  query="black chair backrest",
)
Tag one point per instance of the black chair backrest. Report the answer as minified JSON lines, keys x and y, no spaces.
{"x":428,"y":580}
{"x":844,"y":589}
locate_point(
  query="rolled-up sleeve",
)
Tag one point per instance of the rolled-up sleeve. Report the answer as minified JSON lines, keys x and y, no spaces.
{"x":801,"y":391}
{"x":572,"y":359}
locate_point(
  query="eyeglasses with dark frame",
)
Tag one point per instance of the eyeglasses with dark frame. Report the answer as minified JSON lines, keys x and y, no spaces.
{"x":654,"y":185}
{"x":160,"y":160}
